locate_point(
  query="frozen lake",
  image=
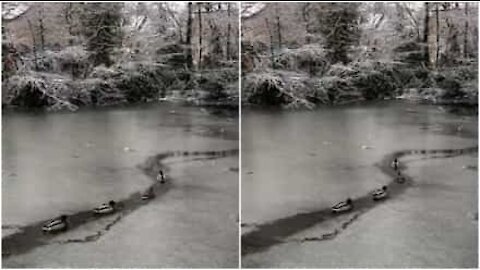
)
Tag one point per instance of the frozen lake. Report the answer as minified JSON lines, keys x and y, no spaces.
{"x":70,"y":162}
{"x":304,"y":161}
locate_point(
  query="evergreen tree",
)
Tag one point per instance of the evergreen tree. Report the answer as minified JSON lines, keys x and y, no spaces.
{"x":102,"y":29}
{"x":338,"y":23}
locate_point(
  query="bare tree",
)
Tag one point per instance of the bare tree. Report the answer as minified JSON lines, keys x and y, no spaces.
{"x":426,"y":34}
{"x":229,"y":30}
{"x":188,"y":39}
{"x":465,"y":37}
{"x":271,"y":43}
{"x":41,"y":27}
{"x":437,"y":51}
{"x":279,"y":28}
{"x":68,"y":17}
{"x":34,"y":40}
{"x":200,"y":34}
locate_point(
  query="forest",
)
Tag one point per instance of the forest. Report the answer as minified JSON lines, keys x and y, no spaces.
{"x":61,"y":56}
{"x":306,"y":54}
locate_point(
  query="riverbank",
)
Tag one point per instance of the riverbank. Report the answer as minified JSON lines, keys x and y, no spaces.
{"x":119,"y":85}
{"x":361,"y":81}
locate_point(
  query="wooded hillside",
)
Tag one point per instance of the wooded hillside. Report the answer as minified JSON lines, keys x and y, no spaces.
{"x":303,"y":54}
{"x":65,"y":55}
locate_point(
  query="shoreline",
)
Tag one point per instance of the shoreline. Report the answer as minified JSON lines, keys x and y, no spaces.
{"x":275,"y":232}
{"x":183,"y":103}
{"x":464,"y":104}
{"x":31,"y":236}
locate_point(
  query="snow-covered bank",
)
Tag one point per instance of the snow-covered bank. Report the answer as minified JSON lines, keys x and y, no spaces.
{"x":360,"y":81}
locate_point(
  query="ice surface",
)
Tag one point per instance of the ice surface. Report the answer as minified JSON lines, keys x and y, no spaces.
{"x":288,"y":169}
{"x":192,"y":225}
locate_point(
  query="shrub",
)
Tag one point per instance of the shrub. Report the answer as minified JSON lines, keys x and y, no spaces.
{"x":37,"y":90}
{"x":139,"y":86}
{"x":263,"y":88}
{"x":310,"y":58}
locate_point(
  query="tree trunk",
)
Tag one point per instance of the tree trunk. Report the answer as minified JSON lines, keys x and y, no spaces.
{"x":68,"y":18}
{"x":279,"y":28}
{"x":188,"y":39}
{"x":271,"y":43}
{"x":306,"y":17}
{"x":41,"y":28}
{"x":426,"y":34}
{"x":437,"y":55}
{"x":465,"y":36}
{"x":34,"y":42}
{"x":4,"y":34}
{"x":200,"y":33}
{"x":229,"y":29}
{"x":453,"y":48}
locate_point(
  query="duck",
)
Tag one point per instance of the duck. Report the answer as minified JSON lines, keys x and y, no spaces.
{"x":161,"y":177}
{"x":128,"y":149}
{"x":105,"y":208}
{"x":395,"y":164}
{"x":380,"y":193}
{"x":344,"y":206}
{"x":55,"y":225}
{"x":149,"y":194}
{"x":400,"y":179}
